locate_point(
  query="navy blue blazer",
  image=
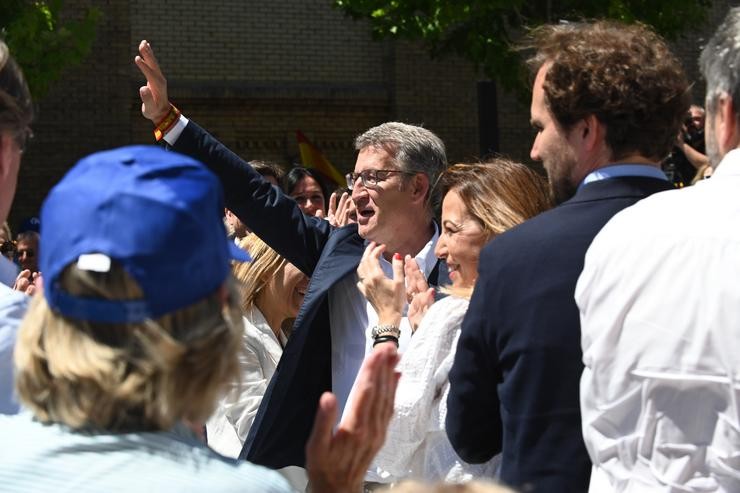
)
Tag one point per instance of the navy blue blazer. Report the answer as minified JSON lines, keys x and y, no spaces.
{"x":514,"y":384}
{"x":283,"y":423}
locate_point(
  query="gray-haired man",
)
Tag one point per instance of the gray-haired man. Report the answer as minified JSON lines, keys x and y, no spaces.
{"x":660,"y":307}
{"x":395,"y":168}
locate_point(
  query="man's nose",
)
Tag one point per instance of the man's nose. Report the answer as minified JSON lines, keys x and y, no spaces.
{"x":534,"y":153}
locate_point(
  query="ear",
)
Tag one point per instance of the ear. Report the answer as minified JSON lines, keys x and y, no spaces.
{"x":419,"y":187}
{"x":591,"y":132}
{"x":6,"y":149}
{"x":726,"y":125}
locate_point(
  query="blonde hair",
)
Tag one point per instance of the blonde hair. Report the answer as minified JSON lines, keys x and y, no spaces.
{"x":499,"y":194}
{"x":5,"y":228}
{"x":411,"y":486}
{"x":253,"y":276}
{"x":123,"y":377}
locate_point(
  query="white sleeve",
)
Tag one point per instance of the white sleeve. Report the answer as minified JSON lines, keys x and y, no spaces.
{"x":419,"y":392}
{"x":174,"y":133}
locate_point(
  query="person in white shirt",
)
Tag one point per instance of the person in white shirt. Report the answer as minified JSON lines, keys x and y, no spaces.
{"x":271,"y":291}
{"x":396,"y":166}
{"x":480,"y":202}
{"x":659,"y":302}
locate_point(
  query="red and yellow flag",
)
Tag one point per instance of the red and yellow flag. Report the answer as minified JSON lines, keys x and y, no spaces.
{"x":312,"y":157}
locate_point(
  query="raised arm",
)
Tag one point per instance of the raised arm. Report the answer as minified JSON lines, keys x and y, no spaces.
{"x":272,"y":215}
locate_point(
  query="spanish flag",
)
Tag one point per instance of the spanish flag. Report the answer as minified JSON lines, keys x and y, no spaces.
{"x":312,"y":157}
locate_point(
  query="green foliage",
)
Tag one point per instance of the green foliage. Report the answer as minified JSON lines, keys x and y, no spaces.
{"x":486,"y":31}
{"x":41,"y":43}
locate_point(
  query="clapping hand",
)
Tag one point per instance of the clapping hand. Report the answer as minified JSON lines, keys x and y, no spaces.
{"x":337,"y":461}
{"x":418,"y":293}
{"x":341,"y":210}
{"x":388,"y":296}
{"x":29,"y":283}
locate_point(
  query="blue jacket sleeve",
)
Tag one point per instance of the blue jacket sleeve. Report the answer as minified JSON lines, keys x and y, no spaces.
{"x":264,"y":208}
{"x":473,"y":420}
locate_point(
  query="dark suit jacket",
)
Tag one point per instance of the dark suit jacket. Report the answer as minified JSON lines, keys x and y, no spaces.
{"x":285,"y":418}
{"x":514,"y":383}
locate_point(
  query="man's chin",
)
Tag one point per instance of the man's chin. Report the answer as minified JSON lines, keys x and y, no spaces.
{"x":363,"y":229}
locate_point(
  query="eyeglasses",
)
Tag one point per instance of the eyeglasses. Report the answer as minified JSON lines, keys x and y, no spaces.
{"x":28,"y":252}
{"x":371,"y":177}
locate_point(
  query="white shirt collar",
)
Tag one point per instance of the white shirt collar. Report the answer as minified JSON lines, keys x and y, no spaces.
{"x":729,"y":165}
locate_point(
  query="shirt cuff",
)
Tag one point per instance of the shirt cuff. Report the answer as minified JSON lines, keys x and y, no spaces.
{"x":174,"y":133}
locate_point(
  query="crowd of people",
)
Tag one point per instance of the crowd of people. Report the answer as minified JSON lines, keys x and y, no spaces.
{"x":190,"y":321}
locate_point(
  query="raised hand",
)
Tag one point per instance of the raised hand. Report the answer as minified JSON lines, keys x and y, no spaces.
{"x":29,"y":283}
{"x":386,"y":295}
{"x":337,"y":462}
{"x":415,"y":281}
{"x":418,"y":307}
{"x":341,"y":211}
{"x":154,"y":102}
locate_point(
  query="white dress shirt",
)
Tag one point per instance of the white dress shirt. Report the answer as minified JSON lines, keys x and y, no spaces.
{"x":659,"y":298}
{"x":351,"y":316}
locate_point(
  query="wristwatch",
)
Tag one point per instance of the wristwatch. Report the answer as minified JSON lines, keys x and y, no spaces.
{"x":385,"y":330}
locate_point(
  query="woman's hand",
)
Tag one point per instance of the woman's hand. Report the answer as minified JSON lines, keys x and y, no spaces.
{"x":154,"y":102}
{"x":418,"y":307}
{"x":418,"y":293}
{"x":386,"y":295}
{"x":341,"y":210}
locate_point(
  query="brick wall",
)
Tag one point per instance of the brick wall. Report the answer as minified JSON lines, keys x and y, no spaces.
{"x":253,"y":72}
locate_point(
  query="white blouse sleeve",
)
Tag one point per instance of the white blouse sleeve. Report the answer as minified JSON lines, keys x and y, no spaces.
{"x":419,"y":398}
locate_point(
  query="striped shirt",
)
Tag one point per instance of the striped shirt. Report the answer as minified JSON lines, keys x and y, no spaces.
{"x":53,"y":458}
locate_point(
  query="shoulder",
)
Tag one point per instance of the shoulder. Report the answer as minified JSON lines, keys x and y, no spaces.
{"x":160,"y":461}
{"x":440,"y":324}
{"x":448,"y":307}
{"x":12,"y":303}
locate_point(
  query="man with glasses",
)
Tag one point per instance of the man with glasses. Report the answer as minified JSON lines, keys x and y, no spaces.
{"x":391,"y":185}
{"x":16,"y":114}
{"x":26,"y":251}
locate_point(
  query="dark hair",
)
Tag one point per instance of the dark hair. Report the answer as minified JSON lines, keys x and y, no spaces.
{"x":267,"y":168}
{"x":16,"y":108}
{"x":32,"y":236}
{"x":625,"y":75}
{"x":295,"y":175}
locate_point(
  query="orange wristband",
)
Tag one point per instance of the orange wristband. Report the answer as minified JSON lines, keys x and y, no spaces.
{"x":167,"y":123}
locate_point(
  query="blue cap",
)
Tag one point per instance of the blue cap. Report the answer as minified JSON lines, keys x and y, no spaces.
{"x":157,"y":213}
{"x":30,"y":224}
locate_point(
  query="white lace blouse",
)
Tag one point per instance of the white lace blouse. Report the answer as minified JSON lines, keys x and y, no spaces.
{"x":416,"y":444}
